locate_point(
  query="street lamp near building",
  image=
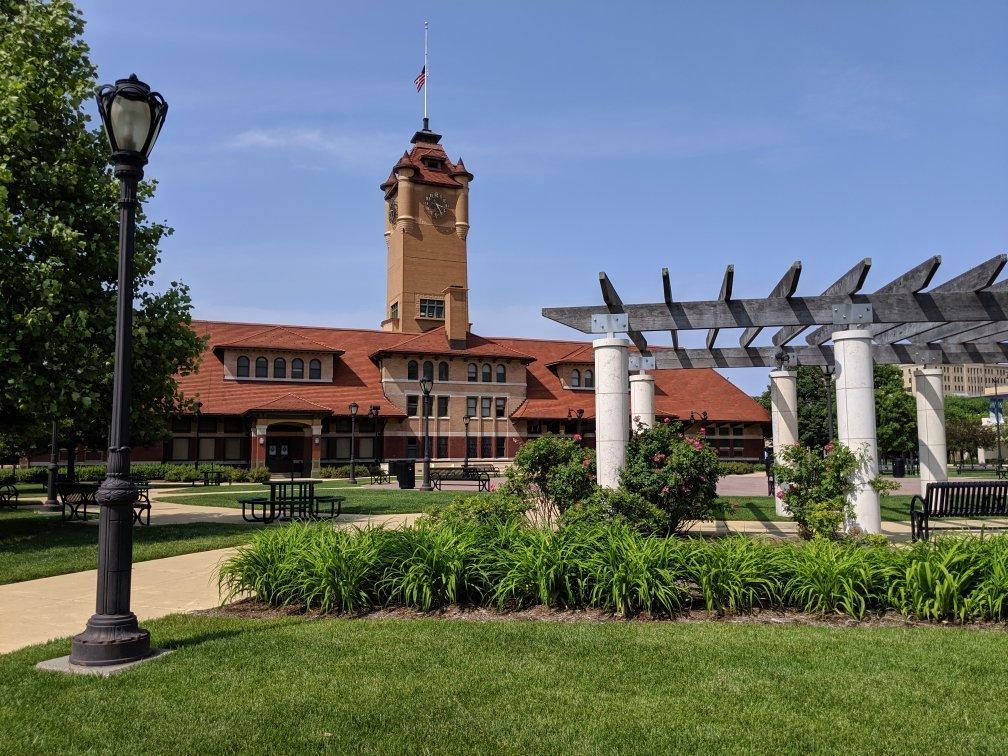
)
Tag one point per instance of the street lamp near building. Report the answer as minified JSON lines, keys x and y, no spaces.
{"x":132,"y":115}
{"x":199,"y":418}
{"x":373,"y":415}
{"x":51,"y":504}
{"x":353,"y":443}
{"x":426,"y":384}
{"x":465,"y":422}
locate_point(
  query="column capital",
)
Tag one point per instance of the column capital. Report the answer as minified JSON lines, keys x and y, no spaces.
{"x":934,"y":372}
{"x":784,"y":373}
{"x":610,"y":342}
{"x":860,"y":334}
{"x":641,"y":378}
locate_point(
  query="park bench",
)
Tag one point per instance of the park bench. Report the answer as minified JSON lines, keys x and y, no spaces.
{"x":486,"y":467}
{"x":468,"y":474}
{"x":956,"y":499}
{"x":213,"y":477}
{"x":8,"y":496}
{"x":75,"y":498}
{"x":379,"y":475}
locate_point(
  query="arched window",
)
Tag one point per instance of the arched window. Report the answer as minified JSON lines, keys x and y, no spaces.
{"x":428,"y":370}
{"x":262,"y":367}
{"x":279,"y":368}
{"x":412,"y":370}
{"x":315,"y":370}
{"x":471,"y":372}
{"x":297,"y":368}
{"x":487,"y":374}
{"x":243,"y":367}
{"x":501,"y":374}
{"x":575,"y":378}
{"x":589,"y":379}
{"x":442,"y":371}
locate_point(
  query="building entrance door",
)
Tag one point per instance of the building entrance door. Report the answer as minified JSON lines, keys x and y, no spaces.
{"x":285,"y":454}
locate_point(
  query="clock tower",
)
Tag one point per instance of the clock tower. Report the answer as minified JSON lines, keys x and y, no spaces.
{"x":426,"y":223}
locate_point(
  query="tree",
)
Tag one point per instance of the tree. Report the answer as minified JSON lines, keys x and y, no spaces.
{"x":59,"y":247}
{"x":964,"y":428}
{"x":895,"y":413}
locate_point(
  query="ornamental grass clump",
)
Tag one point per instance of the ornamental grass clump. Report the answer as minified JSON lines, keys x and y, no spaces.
{"x":938,"y":578}
{"x":544,"y":566}
{"x":737,"y":574}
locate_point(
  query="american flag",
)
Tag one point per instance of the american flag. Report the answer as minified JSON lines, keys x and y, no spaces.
{"x":418,"y":82}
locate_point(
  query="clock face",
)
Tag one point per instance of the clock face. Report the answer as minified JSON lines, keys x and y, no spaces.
{"x":393,"y":211}
{"x":436,"y":204}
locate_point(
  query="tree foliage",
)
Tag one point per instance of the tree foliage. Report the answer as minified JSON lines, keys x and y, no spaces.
{"x":59,"y":247}
{"x":964,"y":428}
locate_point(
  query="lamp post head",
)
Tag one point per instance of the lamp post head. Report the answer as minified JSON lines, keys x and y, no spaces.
{"x":132,"y":115}
{"x":199,"y":407}
{"x":374,"y":411}
{"x":580,"y":413}
{"x":426,"y":384}
{"x":353,"y":409}
{"x":466,"y":420}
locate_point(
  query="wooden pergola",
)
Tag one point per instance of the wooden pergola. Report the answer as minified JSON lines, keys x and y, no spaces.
{"x":960,"y":321}
{"x":963,"y":320}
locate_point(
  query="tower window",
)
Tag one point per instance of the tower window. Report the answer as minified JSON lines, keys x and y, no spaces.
{"x":394,"y":311}
{"x":432,"y":308}
{"x":433,"y":163}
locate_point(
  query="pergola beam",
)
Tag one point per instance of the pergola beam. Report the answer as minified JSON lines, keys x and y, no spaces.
{"x":891,"y":354}
{"x":849,"y":283}
{"x":785,"y":289}
{"x":724,"y":296}
{"x":887,"y":309}
{"x":615,"y":306}
{"x":913,"y":281}
{"x":667,"y":289}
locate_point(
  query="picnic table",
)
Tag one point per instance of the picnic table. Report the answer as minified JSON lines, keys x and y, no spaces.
{"x":217,"y":476}
{"x":291,"y":499}
{"x":76,"y":497}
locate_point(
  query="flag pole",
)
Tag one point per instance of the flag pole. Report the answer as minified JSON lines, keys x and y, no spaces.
{"x":426,"y":120}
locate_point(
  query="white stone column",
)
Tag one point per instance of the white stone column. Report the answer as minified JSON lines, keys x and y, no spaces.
{"x":855,"y":390}
{"x":612,"y":408}
{"x":641,"y":401}
{"x":783,"y":416}
{"x":931,"y":426}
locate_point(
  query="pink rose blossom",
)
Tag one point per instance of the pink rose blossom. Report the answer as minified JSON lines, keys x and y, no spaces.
{"x":665,"y":420}
{"x":780,"y":495}
{"x":577,"y":437}
{"x":664,"y":490}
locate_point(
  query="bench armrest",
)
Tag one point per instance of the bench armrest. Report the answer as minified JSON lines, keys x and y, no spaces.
{"x":923,"y":504}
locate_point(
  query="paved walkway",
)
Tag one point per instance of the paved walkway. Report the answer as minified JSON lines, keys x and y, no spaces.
{"x":35,"y":611}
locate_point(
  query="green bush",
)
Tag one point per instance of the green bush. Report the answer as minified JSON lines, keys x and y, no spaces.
{"x":619,"y":507}
{"x":553,"y":473}
{"x":733,"y":467}
{"x":676,"y":474}
{"x":497,"y":506}
{"x":32,"y":474}
{"x":259,"y":475}
{"x":614,"y":568}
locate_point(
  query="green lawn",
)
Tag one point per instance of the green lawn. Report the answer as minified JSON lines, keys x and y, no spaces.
{"x":894,"y":508}
{"x":298,"y":685}
{"x":34,"y":545}
{"x":359,"y":499}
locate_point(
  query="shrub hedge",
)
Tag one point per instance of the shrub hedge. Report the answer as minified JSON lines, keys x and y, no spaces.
{"x":732,"y":467}
{"x":147,"y":470}
{"x":507,"y":564}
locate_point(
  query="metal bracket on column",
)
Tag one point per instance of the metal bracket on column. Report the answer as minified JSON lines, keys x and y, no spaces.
{"x":641,"y":362}
{"x":610,"y":323}
{"x":852,"y":314}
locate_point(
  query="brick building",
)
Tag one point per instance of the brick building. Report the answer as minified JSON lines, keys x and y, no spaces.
{"x":279,"y":395}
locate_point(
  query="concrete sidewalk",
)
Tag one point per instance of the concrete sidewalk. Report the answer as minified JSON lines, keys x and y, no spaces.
{"x":35,"y":611}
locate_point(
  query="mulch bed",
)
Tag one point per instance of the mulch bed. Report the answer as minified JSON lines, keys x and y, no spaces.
{"x":252,"y":609}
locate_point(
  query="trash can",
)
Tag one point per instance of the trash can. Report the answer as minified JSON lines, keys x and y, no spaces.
{"x":405,"y":472}
{"x":899,"y":467}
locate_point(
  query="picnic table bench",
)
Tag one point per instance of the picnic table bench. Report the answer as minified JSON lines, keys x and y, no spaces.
{"x":217,"y":476}
{"x":956,"y":499}
{"x":293,"y":499}
{"x":8,"y":496}
{"x":469,"y":474}
{"x":75,"y":499}
{"x":379,"y":475}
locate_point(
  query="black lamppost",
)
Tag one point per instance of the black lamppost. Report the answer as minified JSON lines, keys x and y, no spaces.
{"x":465,"y":421}
{"x":579,"y":413}
{"x":373,"y":417}
{"x":426,"y":384}
{"x":133,"y":116}
{"x":199,"y":416}
{"x":353,"y":442}
{"x":51,"y":505}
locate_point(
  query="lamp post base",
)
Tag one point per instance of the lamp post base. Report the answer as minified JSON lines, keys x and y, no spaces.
{"x":110,"y":639}
{"x":51,"y":507}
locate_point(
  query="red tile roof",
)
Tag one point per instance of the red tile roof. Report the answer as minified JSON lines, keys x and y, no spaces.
{"x":435,"y":342}
{"x":279,"y":337}
{"x":357,"y":377}
{"x":444,"y":176}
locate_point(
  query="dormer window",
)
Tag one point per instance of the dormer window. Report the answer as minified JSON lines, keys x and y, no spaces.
{"x":433,"y":163}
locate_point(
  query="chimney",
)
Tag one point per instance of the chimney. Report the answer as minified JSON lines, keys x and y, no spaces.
{"x":456,"y":315}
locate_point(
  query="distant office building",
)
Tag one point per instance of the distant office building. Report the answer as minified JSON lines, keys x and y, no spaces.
{"x":963,"y":380}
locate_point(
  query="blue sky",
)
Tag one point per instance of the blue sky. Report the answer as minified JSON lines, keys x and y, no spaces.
{"x":603,"y":136}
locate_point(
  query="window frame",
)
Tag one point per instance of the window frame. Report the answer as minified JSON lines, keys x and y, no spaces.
{"x":443,"y":404}
{"x":575,"y":378}
{"x":431,"y":308}
{"x":500,"y":373}
{"x":443,"y":371}
{"x":589,"y":379}
{"x":486,"y":373}
{"x":297,"y":369}
{"x":412,"y":405}
{"x":261,"y":367}
{"x":412,"y":370}
{"x":315,"y":370}
{"x":472,"y":372}
{"x":280,"y":368}
{"x":500,"y":407}
{"x":486,"y":406}
{"x":242,"y":366}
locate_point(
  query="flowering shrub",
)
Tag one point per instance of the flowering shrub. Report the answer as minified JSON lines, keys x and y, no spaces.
{"x":552,"y":473}
{"x":815,"y":486}
{"x":675,"y":473}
